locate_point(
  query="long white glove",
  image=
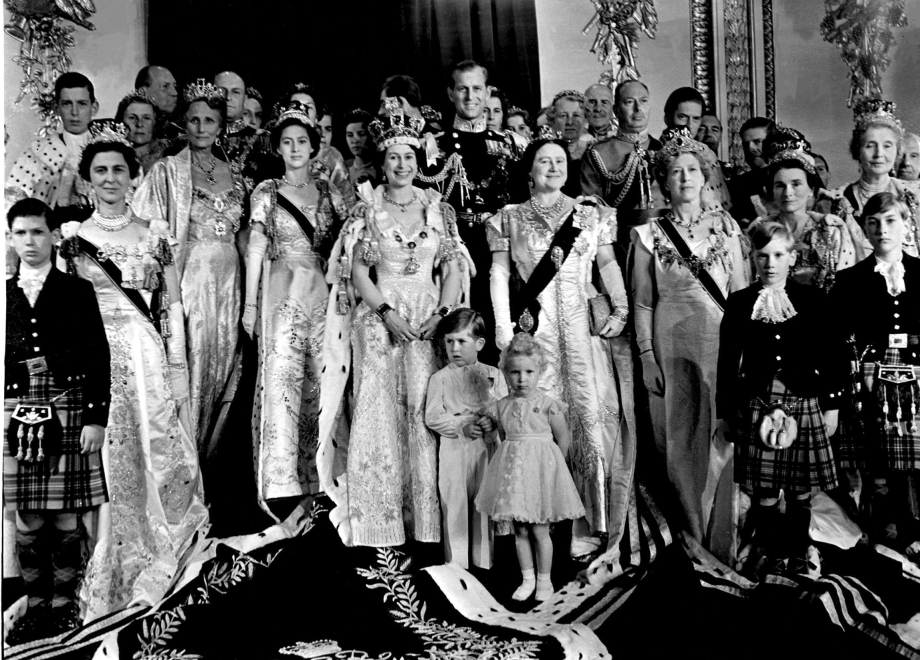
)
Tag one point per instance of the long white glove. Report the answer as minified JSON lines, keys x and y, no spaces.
{"x":499,"y":277}
{"x":613,"y":283}
{"x":176,"y":353}
{"x":258,"y":244}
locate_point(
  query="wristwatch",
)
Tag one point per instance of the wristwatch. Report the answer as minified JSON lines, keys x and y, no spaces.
{"x":445,"y":310}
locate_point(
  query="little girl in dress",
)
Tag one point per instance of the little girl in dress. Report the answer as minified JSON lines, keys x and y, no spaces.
{"x":527,"y":480}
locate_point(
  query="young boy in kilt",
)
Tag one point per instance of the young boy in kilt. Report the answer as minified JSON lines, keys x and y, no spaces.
{"x":876,"y":305}
{"x":56,"y":365}
{"x":781,"y":376}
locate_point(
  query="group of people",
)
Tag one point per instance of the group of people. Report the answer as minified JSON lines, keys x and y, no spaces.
{"x":449,"y":327}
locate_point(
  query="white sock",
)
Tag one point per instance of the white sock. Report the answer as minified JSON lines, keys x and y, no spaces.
{"x":544,"y":587}
{"x":527,"y":585}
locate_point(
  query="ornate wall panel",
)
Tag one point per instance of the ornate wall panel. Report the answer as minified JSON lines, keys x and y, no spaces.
{"x":737,"y":22}
{"x":769,"y":64}
{"x":701,"y":34}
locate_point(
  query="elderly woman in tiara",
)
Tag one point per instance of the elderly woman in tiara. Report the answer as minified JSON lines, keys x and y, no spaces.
{"x":877,"y":142}
{"x":294,"y":220}
{"x":824,"y":242}
{"x":155,"y":492}
{"x":683,"y":267}
{"x":401,"y":256}
{"x":196,"y":199}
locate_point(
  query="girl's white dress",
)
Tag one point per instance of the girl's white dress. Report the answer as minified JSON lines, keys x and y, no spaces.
{"x":527,"y":479}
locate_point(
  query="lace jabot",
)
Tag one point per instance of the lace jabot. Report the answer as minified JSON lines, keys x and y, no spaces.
{"x":893,"y":272}
{"x":773,"y":306}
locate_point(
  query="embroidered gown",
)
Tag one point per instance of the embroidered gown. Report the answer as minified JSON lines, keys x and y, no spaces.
{"x":155,"y":489}
{"x":684,"y":321}
{"x":824,"y":247}
{"x":589,"y":374}
{"x":208,"y":265}
{"x":393,"y":456}
{"x":293,"y":300}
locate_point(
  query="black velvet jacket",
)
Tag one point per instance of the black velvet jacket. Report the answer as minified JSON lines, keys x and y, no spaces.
{"x":804,"y":352}
{"x":863,"y":308}
{"x":65,"y":327}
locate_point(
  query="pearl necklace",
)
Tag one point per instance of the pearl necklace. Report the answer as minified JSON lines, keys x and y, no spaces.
{"x":867,"y":190}
{"x":296,"y":185}
{"x":115,"y":222}
{"x":548,"y":213}
{"x":402,"y":206}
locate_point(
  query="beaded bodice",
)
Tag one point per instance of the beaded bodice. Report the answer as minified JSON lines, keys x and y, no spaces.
{"x":214,"y":217}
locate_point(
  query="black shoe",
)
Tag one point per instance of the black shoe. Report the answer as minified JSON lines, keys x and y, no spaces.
{"x":36,"y":624}
{"x":64,"y":619}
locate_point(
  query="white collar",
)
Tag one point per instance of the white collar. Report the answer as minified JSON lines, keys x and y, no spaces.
{"x":76,"y":143}
{"x":27,"y":272}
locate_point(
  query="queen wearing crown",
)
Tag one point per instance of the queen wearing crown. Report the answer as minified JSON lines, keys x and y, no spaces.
{"x":400,"y":261}
{"x":196,"y":199}
{"x":876,"y":145}
{"x":824,"y":243}
{"x":295,"y":220}
{"x":155,"y":492}
{"x":684,"y":266}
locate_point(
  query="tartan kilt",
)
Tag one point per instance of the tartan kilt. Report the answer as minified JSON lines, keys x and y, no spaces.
{"x":807,"y":465}
{"x":74,"y":481}
{"x":864,"y":442}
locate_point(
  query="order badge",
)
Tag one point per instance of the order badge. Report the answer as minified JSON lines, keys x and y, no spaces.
{"x":897,"y":340}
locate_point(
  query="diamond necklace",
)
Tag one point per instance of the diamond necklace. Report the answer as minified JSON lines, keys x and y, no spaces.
{"x":548,"y":213}
{"x":402,"y":206}
{"x":296,"y":185}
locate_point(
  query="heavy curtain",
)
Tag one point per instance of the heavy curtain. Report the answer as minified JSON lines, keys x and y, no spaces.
{"x":347,"y":49}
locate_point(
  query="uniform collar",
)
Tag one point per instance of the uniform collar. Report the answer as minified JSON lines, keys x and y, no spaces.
{"x":467,"y":126}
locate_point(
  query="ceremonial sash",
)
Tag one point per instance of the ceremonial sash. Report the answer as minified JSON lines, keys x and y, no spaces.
{"x":152,"y":312}
{"x":685,"y":253}
{"x":525,"y":308}
{"x":299,"y":217}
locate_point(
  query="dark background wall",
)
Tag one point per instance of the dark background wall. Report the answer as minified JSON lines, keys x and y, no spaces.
{"x":347,"y":49}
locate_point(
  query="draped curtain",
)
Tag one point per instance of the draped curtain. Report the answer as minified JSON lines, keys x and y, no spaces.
{"x":347,"y":49}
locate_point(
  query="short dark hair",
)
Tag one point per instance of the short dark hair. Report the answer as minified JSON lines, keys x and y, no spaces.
{"x":95,"y":148}
{"x":464,"y":66}
{"x":405,"y":86}
{"x":882,"y":202}
{"x":757,"y":122}
{"x":818,"y":157}
{"x":616,"y":92}
{"x":496,"y":93}
{"x":309,"y":90}
{"x":357,"y":116}
{"x":143,"y":78}
{"x":764,"y":232}
{"x":683,"y":95}
{"x":32,"y":207}
{"x":73,"y":80}
{"x":462,"y":319}
{"x":312,"y":133}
